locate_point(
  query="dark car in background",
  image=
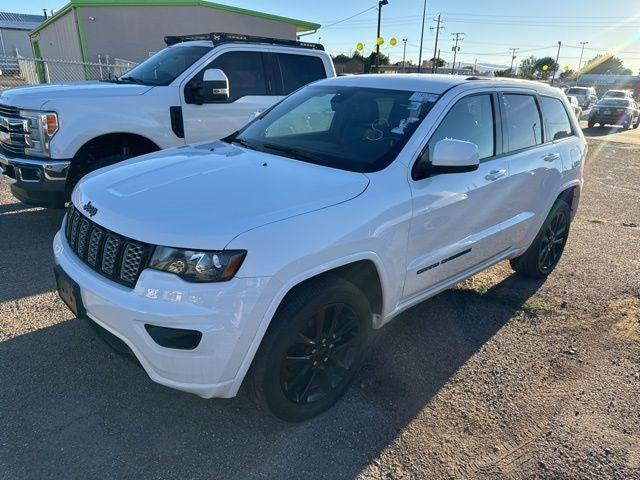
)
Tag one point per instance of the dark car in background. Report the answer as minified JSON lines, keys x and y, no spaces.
{"x":615,"y":111}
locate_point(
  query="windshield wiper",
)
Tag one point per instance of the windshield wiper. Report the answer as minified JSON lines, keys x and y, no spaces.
{"x":244,"y":143}
{"x":291,"y":151}
{"x":131,"y":80}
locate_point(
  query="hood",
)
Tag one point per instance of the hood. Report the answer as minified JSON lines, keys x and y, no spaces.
{"x":36,"y":97}
{"x":203,"y":196}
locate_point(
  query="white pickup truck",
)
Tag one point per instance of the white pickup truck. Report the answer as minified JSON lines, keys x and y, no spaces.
{"x":201,"y":87}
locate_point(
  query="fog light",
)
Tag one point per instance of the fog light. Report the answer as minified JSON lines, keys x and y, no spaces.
{"x":177,"y":338}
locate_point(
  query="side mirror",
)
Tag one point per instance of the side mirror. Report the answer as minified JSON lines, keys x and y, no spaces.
{"x":455,"y":156}
{"x":215,"y":86}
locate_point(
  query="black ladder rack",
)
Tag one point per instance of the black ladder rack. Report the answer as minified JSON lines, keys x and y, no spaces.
{"x":219,"y":38}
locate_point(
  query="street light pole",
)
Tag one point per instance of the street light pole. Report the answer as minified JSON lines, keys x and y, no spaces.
{"x":555,"y":67}
{"x":581,"y":53}
{"x":404,"y":55}
{"x":381,"y":3}
{"x":424,"y":12}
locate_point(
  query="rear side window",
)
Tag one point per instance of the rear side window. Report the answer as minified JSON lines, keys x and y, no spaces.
{"x":299,"y":70}
{"x":471,"y":119}
{"x":556,"y":119}
{"x":245,"y":71}
{"x":524,"y":125}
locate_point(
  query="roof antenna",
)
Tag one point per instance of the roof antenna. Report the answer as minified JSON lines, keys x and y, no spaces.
{"x":45,"y":13}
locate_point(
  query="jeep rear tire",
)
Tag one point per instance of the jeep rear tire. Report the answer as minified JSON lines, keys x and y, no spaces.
{"x":544,"y":253}
{"x":314,"y":346}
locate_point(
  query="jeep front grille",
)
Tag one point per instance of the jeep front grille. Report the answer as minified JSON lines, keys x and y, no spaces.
{"x":118,"y":258}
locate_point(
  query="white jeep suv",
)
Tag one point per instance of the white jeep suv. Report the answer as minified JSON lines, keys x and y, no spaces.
{"x":278,"y":249}
{"x":201,"y":87}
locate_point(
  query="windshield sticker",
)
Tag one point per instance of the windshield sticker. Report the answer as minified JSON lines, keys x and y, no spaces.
{"x":404,"y":123}
{"x":423,"y":97}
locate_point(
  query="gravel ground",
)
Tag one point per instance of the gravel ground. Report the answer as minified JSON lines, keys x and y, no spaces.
{"x":496,"y":378}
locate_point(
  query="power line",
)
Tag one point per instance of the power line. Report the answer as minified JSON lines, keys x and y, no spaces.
{"x":349,"y":18}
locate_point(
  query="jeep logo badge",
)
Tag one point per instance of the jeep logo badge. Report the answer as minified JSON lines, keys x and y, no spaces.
{"x":90,"y":209}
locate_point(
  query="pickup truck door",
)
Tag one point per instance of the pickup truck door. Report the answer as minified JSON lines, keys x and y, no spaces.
{"x":257,"y":80}
{"x":250,"y":92}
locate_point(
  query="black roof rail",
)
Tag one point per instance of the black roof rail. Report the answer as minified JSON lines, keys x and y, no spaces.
{"x":220,"y":37}
{"x":475,"y":77}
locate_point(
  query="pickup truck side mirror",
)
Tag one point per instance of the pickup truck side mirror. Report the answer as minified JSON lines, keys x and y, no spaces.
{"x":449,"y":156}
{"x":215,"y":86}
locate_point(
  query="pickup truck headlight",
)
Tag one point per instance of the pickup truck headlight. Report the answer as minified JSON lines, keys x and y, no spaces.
{"x":42,"y":127}
{"x":198,"y":265}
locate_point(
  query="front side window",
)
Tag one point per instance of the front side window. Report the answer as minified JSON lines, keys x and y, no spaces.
{"x":299,"y":70}
{"x":471,"y":119}
{"x":165,"y":66}
{"x":524,"y":125}
{"x":556,"y":118}
{"x":245,"y":71}
{"x":350,"y":128}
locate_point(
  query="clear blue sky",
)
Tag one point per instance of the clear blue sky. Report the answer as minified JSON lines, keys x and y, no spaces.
{"x":490,"y":27}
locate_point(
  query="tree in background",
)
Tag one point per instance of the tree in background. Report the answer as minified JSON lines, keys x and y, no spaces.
{"x":528,"y":68}
{"x":606,"y":64}
{"x":370,"y":62}
{"x":544,"y":67}
{"x":439,"y":62}
{"x":567,"y":74}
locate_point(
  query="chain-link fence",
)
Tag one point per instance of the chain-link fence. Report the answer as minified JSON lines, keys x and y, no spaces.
{"x":19,"y":71}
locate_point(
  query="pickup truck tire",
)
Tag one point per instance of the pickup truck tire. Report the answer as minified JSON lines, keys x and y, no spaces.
{"x":544,"y":253}
{"x":103,"y":152}
{"x":312,"y":350}
{"x":590,"y":124}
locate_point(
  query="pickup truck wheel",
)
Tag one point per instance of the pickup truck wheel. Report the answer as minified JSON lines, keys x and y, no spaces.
{"x":544,"y":253}
{"x":590,"y":124}
{"x":101,"y":154}
{"x":313,"y":348}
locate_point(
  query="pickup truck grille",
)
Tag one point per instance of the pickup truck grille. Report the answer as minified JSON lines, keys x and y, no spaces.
{"x":15,"y":133}
{"x":118,"y":258}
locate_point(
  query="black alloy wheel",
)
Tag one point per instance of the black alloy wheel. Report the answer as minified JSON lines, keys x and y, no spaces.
{"x":553,"y":240}
{"x":320,"y":354}
{"x":313,"y":349}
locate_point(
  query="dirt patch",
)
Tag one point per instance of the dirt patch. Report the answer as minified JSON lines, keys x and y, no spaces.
{"x":628,"y":312}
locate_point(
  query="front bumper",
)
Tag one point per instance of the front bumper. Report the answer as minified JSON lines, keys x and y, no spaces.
{"x":227,"y":314}
{"x":36,"y":181}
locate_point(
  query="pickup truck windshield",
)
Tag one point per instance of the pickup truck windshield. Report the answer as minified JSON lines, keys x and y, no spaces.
{"x":165,"y":66}
{"x":350,"y":128}
{"x":577,"y":91}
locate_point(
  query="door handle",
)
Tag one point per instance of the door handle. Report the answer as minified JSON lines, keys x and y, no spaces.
{"x":551,"y":157}
{"x":496,"y":174}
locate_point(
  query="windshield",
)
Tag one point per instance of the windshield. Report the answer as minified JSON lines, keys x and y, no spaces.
{"x":615,"y":93}
{"x":356,"y":129}
{"x":165,"y":66}
{"x":615,"y":103}
{"x":577,"y":91}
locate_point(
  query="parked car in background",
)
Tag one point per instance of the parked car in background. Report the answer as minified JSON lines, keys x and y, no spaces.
{"x":617,"y":94}
{"x":282,"y":246}
{"x":615,"y":111}
{"x":202,"y":87}
{"x":575,"y":106}
{"x":586,"y":96}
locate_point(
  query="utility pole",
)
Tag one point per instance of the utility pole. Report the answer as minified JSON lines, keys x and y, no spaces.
{"x":581,"y":53}
{"x":381,"y":3}
{"x":434,"y":67}
{"x":424,"y":12}
{"x":456,"y":48}
{"x":404,"y":55}
{"x":555,"y":67}
{"x":438,"y":60}
{"x":513,"y":57}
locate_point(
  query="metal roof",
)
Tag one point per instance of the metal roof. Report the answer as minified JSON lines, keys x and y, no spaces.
{"x":20,"y":21}
{"x":301,"y":25}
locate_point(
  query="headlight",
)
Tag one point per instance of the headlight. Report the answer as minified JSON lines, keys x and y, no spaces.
{"x":198,"y":265}
{"x":42,"y":127}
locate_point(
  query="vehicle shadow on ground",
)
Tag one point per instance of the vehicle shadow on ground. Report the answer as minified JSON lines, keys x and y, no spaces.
{"x":27,"y":257}
{"x":602,"y":131}
{"x":92,"y":414}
